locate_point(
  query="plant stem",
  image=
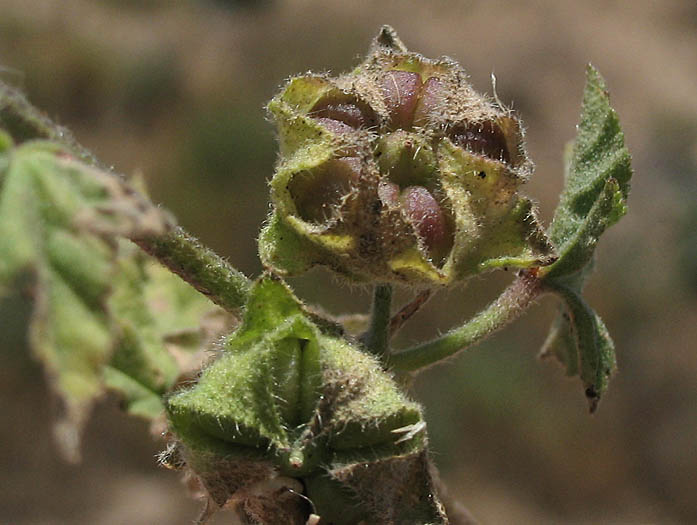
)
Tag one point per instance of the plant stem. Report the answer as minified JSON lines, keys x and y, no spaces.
{"x":408,"y":310}
{"x":182,"y":253}
{"x":512,"y":302}
{"x":377,"y":338}
{"x":24,"y":122}
{"x":201,"y":267}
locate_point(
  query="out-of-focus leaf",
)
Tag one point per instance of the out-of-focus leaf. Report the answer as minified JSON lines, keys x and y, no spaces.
{"x":598,"y":170}
{"x":58,"y":222}
{"x":106,"y":316}
{"x":165,"y":328}
{"x":24,"y":122}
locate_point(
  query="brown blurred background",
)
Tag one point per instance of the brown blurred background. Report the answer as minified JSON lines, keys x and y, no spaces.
{"x":176,"y":90}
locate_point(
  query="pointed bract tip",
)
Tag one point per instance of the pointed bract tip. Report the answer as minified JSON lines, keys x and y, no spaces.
{"x":387,"y":37}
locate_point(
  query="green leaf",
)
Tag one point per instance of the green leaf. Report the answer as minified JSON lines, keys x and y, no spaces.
{"x":160,"y":332}
{"x":58,"y":220}
{"x":581,"y":342}
{"x":598,"y":170}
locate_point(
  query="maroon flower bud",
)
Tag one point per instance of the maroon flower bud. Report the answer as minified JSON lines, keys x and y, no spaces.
{"x":485,"y":138}
{"x":346,"y":110}
{"x":401,"y":90}
{"x":431,"y":97}
{"x":389,"y":193}
{"x":335,"y":126}
{"x":426,"y":216}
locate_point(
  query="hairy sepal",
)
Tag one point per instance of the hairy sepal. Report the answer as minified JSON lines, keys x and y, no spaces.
{"x":398,"y":171}
{"x":296,"y":399}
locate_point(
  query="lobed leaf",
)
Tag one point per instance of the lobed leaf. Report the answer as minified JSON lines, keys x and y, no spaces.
{"x":91,"y":328}
{"x":160,"y":335}
{"x":580,"y":341}
{"x":598,"y":170}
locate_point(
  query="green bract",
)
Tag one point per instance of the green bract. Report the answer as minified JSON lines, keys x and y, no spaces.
{"x":286,"y":401}
{"x":399,"y":171}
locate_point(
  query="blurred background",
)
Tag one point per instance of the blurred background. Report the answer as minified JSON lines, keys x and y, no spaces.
{"x":176,"y":91}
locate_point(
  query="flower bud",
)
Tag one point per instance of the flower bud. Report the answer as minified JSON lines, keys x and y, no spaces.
{"x":428,"y":220}
{"x":398,"y":171}
{"x":401,"y":91}
{"x":287,"y":405}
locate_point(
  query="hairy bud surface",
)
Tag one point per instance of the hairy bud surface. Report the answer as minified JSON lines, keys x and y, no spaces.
{"x":398,"y":171}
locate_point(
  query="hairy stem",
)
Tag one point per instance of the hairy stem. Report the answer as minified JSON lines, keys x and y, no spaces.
{"x":182,"y":253}
{"x":201,"y":267}
{"x":377,"y":338}
{"x":512,"y":302}
{"x":24,"y":122}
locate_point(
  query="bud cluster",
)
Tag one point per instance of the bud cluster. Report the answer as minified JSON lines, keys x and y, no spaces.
{"x":398,"y":171}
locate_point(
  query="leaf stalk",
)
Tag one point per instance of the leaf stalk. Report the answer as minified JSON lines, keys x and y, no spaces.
{"x":512,"y":302}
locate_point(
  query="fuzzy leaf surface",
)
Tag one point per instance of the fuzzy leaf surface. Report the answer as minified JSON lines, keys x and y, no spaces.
{"x":59,"y":220}
{"x":580,"y":341}
{"x":598,"y":170}
{"x":164,"y":328}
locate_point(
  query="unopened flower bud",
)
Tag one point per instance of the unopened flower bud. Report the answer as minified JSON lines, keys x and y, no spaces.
{"x":343,"y":109}
{"x":399,"y":171}
{"x":401,"y":90}
{"x":428,"y":104}
{"x":288,"y":405}
{"x":425,"y":214}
